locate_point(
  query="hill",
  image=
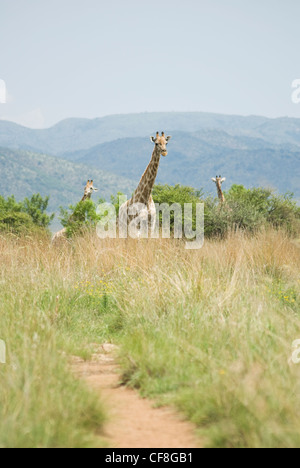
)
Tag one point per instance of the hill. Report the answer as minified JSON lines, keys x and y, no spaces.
{"x":249,"y":150}
{"x":23,"y":173}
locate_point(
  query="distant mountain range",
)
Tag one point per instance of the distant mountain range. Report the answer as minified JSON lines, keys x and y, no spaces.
{"x":115,"y":151}
{"x":76,"y":134}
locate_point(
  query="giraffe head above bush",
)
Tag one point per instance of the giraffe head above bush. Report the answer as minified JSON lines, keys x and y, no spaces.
{"x":89,"y":189}
{"x":219,"y":181}
{"x":161,"y":143}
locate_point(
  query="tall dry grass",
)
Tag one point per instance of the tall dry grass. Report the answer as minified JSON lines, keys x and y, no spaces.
{"x":210,"y":331}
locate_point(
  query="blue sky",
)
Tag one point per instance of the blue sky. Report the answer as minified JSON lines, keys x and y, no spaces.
{"x":90,"y":58}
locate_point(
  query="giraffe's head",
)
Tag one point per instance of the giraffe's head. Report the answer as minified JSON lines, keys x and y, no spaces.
{"x":218,"y":180}
{"x":89,"y":189}
{"x":161,"y":143}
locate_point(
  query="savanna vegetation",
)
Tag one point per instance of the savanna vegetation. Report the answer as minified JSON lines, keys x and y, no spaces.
{"x":209,"y":331}
{"x":25,"y":217}
{"x":245,"y":209}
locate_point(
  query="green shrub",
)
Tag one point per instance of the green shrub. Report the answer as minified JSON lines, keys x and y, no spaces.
{"x":25,"y":216}
{"x":79,"y":218}
{"x":180,"y":195}
{"x":245,"y":209}
{"x":36,"y":207}
{"x":252,"y":208}
{"x":16,"y":222}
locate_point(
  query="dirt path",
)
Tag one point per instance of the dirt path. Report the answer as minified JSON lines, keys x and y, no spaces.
{"x":133,"y":421}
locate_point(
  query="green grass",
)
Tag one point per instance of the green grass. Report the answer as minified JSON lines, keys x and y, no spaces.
{"x":41,"y":402}
{"x":210,"y":332}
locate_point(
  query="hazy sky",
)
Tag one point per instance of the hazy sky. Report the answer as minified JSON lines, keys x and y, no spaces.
{"x":90,"y":58}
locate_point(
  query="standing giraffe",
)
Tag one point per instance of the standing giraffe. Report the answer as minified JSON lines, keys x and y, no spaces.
{"x":142,"y":202}
{"x":219,"y":181}
{"x":88,"y":190}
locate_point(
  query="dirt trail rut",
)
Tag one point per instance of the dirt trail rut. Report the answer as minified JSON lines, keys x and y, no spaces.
{"x":133,"y":421}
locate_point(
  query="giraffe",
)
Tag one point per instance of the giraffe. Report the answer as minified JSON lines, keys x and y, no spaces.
{"x":219,"y":181}
{"x":142,"y":201}
{"x":88,"y":190}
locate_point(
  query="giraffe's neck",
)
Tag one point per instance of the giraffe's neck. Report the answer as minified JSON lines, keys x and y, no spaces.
{"x":144,"y":189}
{"x":220,"y":194}
{"x":84,"y":198}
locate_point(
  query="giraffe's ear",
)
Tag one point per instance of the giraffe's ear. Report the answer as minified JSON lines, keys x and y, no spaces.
{"x":213,"y":179}
{"x":223,"y":180}
{"x":153,"y":139}
{"x":168,"y":138}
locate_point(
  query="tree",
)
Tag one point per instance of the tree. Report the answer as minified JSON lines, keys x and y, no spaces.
{"x":178,"y":194}
{"x":25,"y":216}
{"x":80,"y":217}
{"x":36,"y":207}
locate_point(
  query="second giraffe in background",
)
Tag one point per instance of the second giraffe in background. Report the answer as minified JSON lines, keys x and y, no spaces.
{"x":88,"y":190}
{"x":219,"y":181}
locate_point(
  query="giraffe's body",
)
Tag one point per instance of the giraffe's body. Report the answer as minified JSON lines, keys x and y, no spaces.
{"x":142,"y":201}
{"x":219,"y":181}
{"x":89,"y":189}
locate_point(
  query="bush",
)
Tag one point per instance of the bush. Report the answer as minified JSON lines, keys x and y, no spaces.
{"x":79,"y":218}
{"x":36,"y":207}
{"x":252,"y":208}
{"x":16,"y":222}
{"x":25,"y":216}
{"x":180,"y":195}
{"x":245,"y":209}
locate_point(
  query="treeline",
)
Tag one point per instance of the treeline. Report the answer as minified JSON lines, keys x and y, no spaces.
{"x":245,"y":209}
